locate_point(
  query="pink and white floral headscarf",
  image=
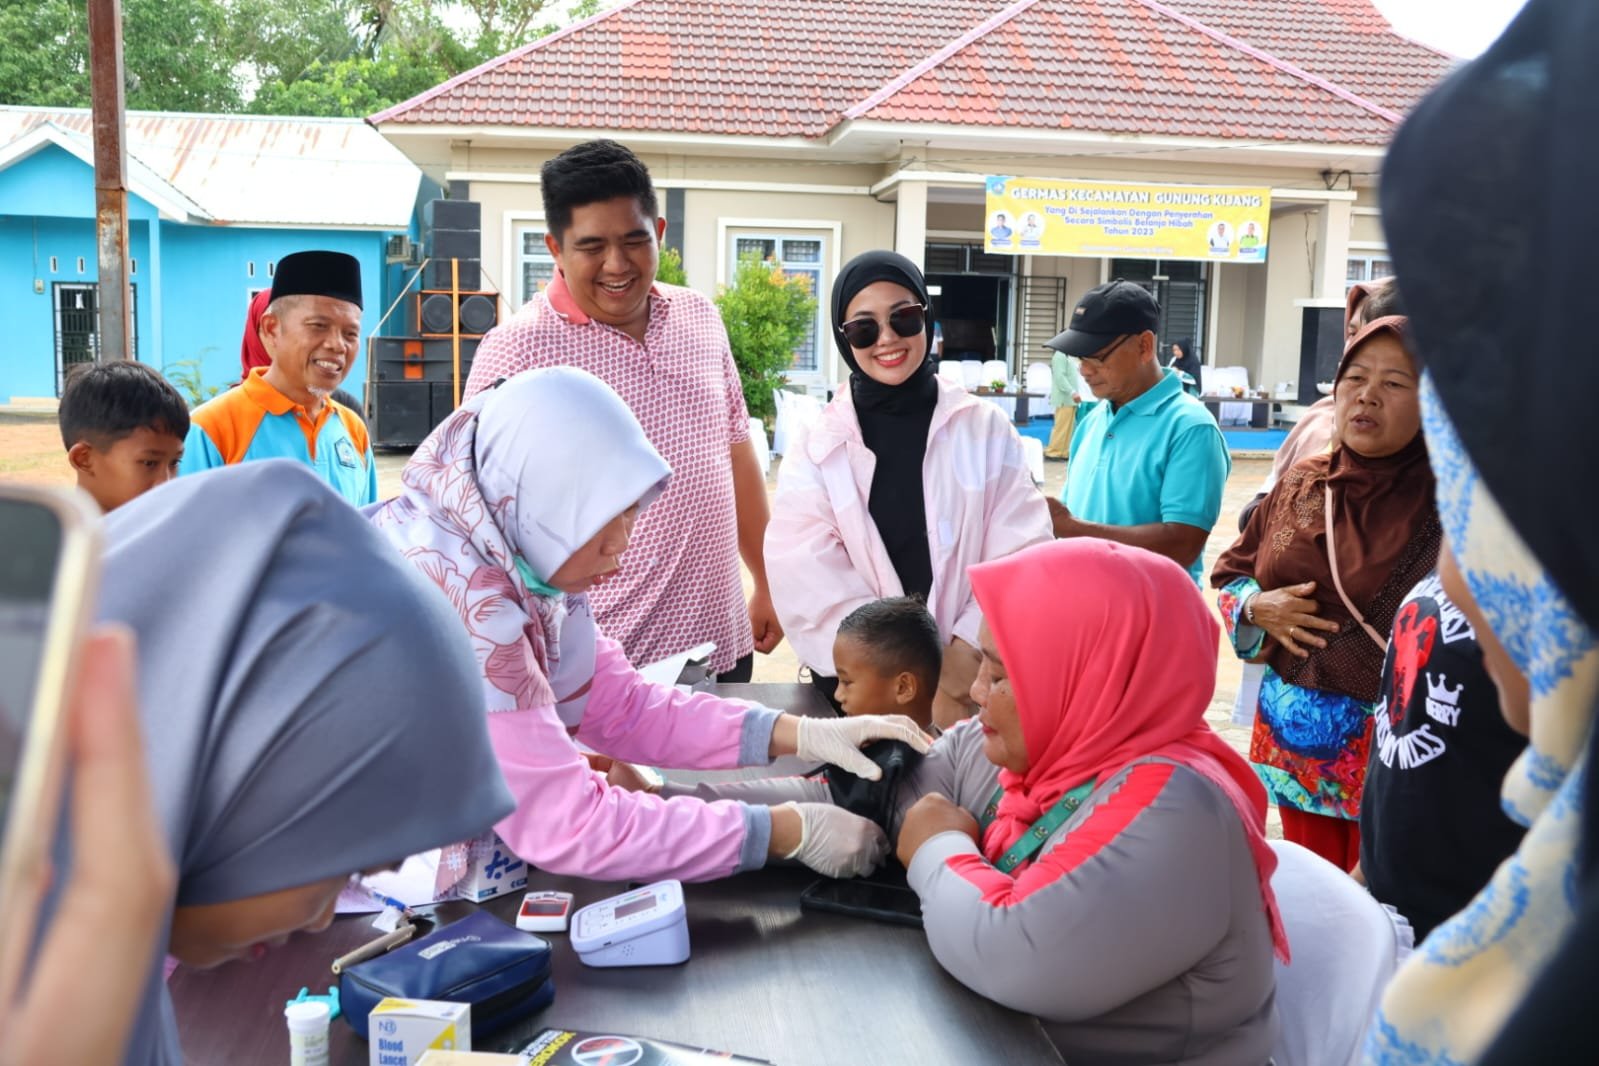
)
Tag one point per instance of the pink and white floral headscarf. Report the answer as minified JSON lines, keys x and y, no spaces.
{"x":497,"y":498}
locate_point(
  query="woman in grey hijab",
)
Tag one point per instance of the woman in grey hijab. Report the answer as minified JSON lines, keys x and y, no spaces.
{"x":311,"y":709}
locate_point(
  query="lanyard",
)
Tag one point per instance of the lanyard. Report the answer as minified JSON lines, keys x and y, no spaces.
{"x":1040,"y":831}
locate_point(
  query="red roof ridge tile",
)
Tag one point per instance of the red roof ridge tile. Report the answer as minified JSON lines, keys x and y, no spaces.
{"x":421,"y":98}
{"x":905,"y":77}
{"x":1266,"y":57}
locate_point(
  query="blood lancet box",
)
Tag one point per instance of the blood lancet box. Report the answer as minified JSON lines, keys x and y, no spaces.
{"x":400,"y":1031}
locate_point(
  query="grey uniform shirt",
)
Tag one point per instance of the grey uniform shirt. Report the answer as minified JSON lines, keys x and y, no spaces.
{"x":1136,"y":934}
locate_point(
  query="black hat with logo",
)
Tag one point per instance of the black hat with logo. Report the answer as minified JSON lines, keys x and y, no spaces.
{"x":1115,"y":309}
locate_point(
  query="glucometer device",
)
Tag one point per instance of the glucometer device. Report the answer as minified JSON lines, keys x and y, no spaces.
{"x":544,"y":912}
{"x":644,"y":927}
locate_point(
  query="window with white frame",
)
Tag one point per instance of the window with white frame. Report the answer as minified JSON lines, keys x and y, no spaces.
{"x":1367,"y":268}
{"x":794,"y":255}
{"x":535,"y":266}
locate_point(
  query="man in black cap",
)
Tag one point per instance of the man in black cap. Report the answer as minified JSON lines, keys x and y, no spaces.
{"x":1148,"y":464}
{"x":312,"y":330}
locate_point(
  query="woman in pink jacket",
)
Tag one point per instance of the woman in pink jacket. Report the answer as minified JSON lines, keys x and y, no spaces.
{"x":515,"y":506}
{"x":903,"y":483}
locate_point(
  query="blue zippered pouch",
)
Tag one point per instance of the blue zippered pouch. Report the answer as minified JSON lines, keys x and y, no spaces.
{"x":501,"y":971}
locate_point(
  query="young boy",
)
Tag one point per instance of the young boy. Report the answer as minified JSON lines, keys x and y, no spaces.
{"x":888,"y":656}
{"x":123,"y":425}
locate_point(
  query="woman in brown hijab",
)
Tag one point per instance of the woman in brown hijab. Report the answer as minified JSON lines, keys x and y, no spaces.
{"x":1311,"y":588}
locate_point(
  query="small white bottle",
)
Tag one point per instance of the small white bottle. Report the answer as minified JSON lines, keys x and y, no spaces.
{"x":308,"y":1032}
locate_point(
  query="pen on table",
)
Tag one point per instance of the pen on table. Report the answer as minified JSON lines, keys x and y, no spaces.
{"x":387,"y":901}
{"x":374,"y":947}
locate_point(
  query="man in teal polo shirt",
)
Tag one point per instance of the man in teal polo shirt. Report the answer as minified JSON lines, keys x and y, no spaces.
{"x":1148,"y":464}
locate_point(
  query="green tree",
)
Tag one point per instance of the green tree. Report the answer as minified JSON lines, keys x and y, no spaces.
{"x":350,"y":87}
{"x":308,"y":57}
{"x":49,"y":71}
{"x":171,"y":55}
{"x":767,"y":313}
{"x":670,"y":269}
{"x":395,"y":49}
{"x":279,"y":40}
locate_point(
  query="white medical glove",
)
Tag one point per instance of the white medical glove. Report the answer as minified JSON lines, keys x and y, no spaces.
{"x":838,"y":740}
{"x":836,"y":843}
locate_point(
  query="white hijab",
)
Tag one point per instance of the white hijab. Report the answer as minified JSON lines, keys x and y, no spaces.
{"x":503,"y":493}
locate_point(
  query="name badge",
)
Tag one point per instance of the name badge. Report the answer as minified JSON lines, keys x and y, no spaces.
{"x":344,"y":452}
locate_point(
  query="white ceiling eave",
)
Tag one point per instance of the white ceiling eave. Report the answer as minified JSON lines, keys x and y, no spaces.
{"x":863,"y":141}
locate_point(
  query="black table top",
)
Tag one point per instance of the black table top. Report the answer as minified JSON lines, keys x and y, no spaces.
{"x":765,"y":979}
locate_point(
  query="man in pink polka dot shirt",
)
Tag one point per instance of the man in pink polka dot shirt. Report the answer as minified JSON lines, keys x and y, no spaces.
{"x":665,"y":352}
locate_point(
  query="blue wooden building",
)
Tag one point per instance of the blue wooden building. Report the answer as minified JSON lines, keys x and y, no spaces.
{"x":214,"y":202}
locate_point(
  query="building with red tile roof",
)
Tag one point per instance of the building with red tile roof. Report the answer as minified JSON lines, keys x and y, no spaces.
{"x":813,"y":132}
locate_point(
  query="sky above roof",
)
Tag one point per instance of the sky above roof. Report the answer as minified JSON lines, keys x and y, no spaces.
{"x":1461,"y":29}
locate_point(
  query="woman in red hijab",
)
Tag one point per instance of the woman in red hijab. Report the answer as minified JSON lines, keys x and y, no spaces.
{"x":252,"y":353}
{"x":1117,"y":884}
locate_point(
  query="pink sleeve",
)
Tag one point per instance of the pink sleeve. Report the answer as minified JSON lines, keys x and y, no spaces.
{"x":629,"y":718}
{"x":569,"y":821}
{"x":497,"y":357}
{"x":813,"y":580}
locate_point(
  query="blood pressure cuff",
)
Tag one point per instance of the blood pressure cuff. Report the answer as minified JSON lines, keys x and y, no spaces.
{"x":501,"y":971}
{"x":875,"y":800}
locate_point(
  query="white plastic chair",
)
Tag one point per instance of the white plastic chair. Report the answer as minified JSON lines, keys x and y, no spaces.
{"x":763,"y":452}
{"x":1033,"y":451}
{"x":1345,"y":947}
{"x":1040,"y":380}
{"x":972,"y":374}
{"x":996,"y":370}
{"x":950,"y":371}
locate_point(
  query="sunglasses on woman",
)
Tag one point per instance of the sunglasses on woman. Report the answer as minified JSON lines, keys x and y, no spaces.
{"x":906,"y":321}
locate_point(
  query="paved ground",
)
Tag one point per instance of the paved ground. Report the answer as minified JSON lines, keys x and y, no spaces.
{"x":30,"y":450}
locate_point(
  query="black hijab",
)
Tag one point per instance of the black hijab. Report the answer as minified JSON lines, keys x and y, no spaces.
{"x":1489,"y":248}
{"x":894,"y":423}
{"x":1188,"y":363}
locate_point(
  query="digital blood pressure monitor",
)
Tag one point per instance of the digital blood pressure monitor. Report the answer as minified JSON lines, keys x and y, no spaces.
{"x":645,"y":927}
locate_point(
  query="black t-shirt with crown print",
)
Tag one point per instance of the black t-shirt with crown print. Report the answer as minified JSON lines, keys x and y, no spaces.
{"x":1431,"y":827}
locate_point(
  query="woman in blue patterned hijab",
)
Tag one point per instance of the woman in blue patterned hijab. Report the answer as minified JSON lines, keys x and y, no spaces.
{"x":1487,"y":247}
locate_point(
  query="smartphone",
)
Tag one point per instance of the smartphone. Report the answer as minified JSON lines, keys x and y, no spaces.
{"x":896,"y":904}
{"x":49,"y":570}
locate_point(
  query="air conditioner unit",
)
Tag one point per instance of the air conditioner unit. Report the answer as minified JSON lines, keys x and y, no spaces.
{"x":398,"y":249}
